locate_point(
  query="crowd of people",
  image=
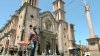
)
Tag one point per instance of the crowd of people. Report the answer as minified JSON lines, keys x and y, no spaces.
{"x":13,"y":50}
{"x":29,"y":50}
{"x":10,"y":50}
{"x":1,"y":50}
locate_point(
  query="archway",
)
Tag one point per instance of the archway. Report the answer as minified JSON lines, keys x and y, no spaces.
{"x":47,"y":47}
{"x":57,"y":51}
{"x":6,"y":46}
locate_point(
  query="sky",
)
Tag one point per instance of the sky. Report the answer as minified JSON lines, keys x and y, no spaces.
{"x":75,"y":14}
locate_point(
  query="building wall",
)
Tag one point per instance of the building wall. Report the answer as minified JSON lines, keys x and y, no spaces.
{"x":93,"y":47}
{"x":6,"y":33}
{"x":20,"y":25}
{"x":65,"y":39}
{"x":31,"y":19}
{"x":30,"y":15}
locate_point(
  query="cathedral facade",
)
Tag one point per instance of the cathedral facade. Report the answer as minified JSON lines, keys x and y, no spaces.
{"x":53,"y":31}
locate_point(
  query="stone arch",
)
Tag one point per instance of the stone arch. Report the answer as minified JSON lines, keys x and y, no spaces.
{"x":7,"y":43}
{"x":48,"y":25}
{"x":48,"y":47}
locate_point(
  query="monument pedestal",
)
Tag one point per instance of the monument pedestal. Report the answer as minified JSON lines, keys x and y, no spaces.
{"x":93,"y":44}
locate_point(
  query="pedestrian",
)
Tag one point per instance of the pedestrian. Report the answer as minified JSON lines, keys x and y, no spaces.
{"x":49,"y":52}
{"x":0,"y":50}
{"x":20,"y":51}
{"x":11,"y":50}
{"x":15,"y":50}
{"x":33,"y":41}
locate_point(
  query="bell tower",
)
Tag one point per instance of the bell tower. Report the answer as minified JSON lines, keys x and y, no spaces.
{"x":31,"y":2}
{"x":59,"y":15}
{"x":58,"y":8}
{"x":28,"y":15}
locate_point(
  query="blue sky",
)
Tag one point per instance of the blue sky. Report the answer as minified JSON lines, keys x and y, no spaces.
{"x":74,"y":14}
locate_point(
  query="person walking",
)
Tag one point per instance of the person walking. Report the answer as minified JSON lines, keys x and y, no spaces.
{"x":33,"y":41}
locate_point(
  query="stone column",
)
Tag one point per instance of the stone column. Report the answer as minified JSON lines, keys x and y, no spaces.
{"x":93,"y":41}
{"x":60,"y":36}
{"x":51,"y":46}
{"x":89,"y":21}
{"x":43,"y":45}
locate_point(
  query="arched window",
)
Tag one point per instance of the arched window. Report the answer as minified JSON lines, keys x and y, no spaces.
{"x":31,"y":2}
{"x":48,"y":25}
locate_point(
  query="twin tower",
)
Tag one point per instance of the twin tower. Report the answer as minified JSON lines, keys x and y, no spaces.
{"x":32,"y":2}
{"x":58,"y":8}
{"x":59,"y":14}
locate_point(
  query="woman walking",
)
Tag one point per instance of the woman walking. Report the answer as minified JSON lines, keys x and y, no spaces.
{"x":34,"y":41}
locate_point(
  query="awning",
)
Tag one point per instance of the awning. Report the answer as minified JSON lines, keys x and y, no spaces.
{"x":70,"y":48}
{"x":22,"y":43}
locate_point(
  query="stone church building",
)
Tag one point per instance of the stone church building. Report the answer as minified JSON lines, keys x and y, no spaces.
{"x":54,"y":32}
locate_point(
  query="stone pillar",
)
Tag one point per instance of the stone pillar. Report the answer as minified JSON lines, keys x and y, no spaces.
{"x":43,"y":45}
{"x":93,"y":41}
{"x":89,"y":21}
{"x":60,"y":36}
{"x":52,"y":45}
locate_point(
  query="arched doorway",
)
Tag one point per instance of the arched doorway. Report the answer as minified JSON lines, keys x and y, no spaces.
{"x":6,"y":46}
{"x":57,"y":51}
{"x":48,"y":47}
